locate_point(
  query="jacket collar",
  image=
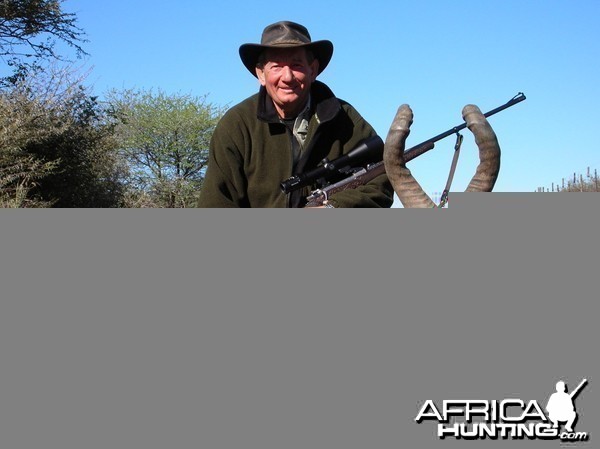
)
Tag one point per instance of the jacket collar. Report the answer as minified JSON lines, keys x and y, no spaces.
{"x":326,"y":105}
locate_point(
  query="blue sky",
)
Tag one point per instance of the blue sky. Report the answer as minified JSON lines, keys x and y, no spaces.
{"x":435,"y":55}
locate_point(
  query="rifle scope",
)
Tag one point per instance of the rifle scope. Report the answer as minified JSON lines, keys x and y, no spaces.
{"x":368,"y":151}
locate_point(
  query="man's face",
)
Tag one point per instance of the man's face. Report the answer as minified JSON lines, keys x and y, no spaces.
{"x":287,"y":75}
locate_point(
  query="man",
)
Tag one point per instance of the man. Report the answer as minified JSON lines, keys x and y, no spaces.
{"x":560,"y":407}
{"x":289,"y":127}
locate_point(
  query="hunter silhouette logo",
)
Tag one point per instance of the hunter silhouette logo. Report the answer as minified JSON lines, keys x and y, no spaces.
{"x":509,"y":418}
{"x":560,"y":406}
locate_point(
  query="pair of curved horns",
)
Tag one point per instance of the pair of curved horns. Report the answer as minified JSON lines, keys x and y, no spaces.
{"x":409,"y":191}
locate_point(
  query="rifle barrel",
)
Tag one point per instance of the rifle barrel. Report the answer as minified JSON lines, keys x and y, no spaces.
{"x":576,"y":391}
{"x":429,"y":144}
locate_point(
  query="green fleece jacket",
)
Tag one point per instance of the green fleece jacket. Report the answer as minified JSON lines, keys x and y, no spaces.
{"x":251,"y":154}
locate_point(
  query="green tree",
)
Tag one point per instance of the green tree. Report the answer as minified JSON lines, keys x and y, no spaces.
{"x":31,"y":28}
{"x":58,"y":147}
{"x":165,"y":140}
{"x":23,"y":122}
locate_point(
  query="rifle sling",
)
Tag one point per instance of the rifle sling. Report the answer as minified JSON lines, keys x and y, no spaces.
{"x":444,"y":198}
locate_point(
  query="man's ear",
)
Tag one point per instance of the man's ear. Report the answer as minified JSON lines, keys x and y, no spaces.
{"x":260,"y":74}
{"x":315,"y":68}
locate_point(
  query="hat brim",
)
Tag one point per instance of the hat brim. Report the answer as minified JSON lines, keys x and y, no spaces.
{"x":323,"y":51}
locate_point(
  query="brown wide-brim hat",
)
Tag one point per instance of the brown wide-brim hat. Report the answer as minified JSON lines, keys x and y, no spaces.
{"x":286,"y":35}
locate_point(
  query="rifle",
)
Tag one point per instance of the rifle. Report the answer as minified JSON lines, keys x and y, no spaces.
{"x":576,"y":391}
{"x":368,"y":150}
